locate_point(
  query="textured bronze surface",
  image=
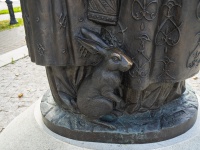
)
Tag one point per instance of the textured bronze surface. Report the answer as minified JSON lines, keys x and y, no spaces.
{"x":120,"y":63}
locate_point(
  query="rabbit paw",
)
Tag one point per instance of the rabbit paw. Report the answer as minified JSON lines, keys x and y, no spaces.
{"x":107,"y":125}
{"x":69,"y":103}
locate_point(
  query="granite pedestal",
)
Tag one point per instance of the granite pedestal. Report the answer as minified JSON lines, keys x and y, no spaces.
{"x":28,"y":132}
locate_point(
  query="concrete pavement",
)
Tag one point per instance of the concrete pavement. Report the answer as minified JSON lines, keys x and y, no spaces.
{"x":12,"y":39}
{"x":22,"y":77}
{"x":17,"y":77}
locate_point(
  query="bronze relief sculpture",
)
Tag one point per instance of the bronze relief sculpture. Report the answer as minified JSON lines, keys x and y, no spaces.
{"x":116,"y":68}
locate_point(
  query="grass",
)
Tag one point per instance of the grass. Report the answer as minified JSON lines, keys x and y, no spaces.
{"x":12,"y":61}
{"x":5,"y":24}
{"x":5,"y":11}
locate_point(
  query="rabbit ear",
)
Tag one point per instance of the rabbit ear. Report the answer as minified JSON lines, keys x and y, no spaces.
{"x":92,"y":46}
{"x":92,"y":42}
{"x":88,"y":34}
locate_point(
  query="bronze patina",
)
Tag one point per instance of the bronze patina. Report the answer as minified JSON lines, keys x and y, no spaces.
{"x":116,"y":68}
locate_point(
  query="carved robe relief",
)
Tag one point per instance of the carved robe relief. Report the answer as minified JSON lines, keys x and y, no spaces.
{"x":168,"y":33}
{"x":144,"y":9}
{"x":194,"y":58}
{"x":103,"y":11}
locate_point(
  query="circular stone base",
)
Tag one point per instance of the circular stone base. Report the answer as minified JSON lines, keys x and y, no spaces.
{"x":169,"y":121}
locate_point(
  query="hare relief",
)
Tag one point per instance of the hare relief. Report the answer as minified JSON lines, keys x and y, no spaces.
{"x":98,"y":97}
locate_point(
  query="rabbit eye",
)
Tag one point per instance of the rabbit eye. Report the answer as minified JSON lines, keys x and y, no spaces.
{"x":115,"y":59}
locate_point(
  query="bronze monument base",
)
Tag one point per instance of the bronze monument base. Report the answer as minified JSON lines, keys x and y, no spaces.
{"x":171,"y":120}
